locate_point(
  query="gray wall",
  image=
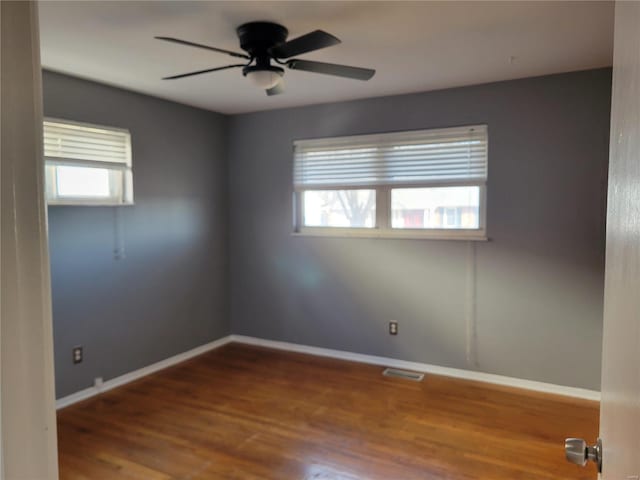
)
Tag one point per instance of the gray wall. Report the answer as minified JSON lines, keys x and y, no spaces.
{"x":538,"y":283}
{"x":170,"y":292}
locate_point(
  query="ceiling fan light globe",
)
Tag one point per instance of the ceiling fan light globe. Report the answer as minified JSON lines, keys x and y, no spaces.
{"x":263,"y":76}
{"x":264,"y":79}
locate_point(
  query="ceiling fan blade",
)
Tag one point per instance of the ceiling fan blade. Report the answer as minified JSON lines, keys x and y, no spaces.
{"x":182,"y":75}
{"x":356,"y":73}
{"x":206,"y":47}
{"x":277,"y":90}
{"x":306,"y":43}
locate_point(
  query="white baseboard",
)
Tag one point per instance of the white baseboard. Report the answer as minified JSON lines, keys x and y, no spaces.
{"x":142,"y":372}
{"x":338,"y":354}
{"x":424,"y":368}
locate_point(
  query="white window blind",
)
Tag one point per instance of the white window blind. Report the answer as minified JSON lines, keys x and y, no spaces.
{"x":449,"y":155}
{"x":68,"y":141}
{"x":87,"y":164}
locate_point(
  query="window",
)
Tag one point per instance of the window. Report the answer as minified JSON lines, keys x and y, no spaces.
{"x":87,"y":164}
{"x":427,"y":183}
{"x":339,"y":208}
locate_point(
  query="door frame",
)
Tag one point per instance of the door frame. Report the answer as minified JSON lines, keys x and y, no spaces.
{"x":27,"y":390}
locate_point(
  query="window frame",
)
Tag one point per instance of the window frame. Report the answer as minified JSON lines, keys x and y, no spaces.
{"x":383,"y":225}
{"x":125,"y":199}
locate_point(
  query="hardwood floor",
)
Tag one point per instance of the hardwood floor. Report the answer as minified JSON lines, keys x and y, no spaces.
{"x":248,"y":413}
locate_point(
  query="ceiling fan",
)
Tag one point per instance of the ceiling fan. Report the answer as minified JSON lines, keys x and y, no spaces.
{"x":266,"y":42}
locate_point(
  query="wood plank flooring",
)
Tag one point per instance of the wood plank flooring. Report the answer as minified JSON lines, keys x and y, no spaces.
{"x":251,"y":413}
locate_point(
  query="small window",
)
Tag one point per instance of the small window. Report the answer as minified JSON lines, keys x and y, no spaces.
{"x":427,"y":183}
{"x":87,"y":164}
{"x":436,"y":208}
{"x":339,"y":208}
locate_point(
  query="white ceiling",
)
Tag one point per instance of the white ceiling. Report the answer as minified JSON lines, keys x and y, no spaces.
{"x":414,"y":46}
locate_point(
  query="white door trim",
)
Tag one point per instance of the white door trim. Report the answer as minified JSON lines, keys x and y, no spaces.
{"x":29,"y":445}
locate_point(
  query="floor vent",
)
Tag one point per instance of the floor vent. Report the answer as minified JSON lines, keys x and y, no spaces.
{"x":394,"y":372}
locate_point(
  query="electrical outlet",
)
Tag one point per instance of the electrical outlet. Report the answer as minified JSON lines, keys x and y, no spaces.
{"x":77,"y":354}
{"x":393,"y":327}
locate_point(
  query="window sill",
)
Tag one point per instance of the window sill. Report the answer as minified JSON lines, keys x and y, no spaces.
{"x":93,"y":204}
{"x":401,"y":235}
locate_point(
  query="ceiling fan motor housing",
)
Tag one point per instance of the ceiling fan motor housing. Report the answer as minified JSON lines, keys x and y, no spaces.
{"x":258,"y":37}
